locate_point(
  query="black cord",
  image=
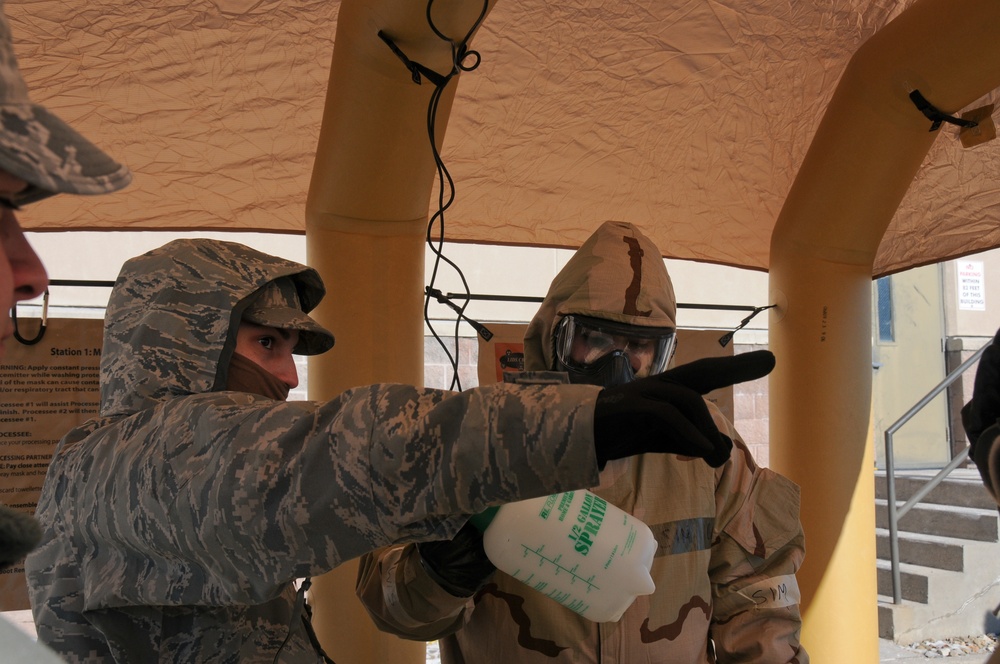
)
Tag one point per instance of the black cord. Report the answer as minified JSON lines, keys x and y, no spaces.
{"x":462,"y":59}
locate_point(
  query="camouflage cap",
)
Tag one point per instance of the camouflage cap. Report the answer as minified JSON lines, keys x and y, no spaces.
{"x":41,"y":149}
{"x":278,"y":305}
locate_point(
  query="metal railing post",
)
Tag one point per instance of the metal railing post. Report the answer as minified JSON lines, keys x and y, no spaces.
{"x":890,"y":496}
{"x":890,"y":471}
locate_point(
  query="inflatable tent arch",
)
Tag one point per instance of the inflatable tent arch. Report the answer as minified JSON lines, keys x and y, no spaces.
{"x":870,"y":144}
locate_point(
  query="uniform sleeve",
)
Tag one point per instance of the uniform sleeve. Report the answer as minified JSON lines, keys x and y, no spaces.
{"x":760,"y":547}
{"x":981,"y":418}
{"x":403,"y":600}
{"x":232,"y":497}
{"x":986,"y":455}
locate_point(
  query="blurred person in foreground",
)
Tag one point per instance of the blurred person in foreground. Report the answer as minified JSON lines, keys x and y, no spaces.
{"x":40,"y":156}
{"x":981,"y":418}
{"x":729,"y":535}
{"x":981,"y":421}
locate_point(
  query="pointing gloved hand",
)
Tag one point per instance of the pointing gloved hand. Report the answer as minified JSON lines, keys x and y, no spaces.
{"x":981,"y":417}
{"x":458,"y":565}
{"x":666,"y":412}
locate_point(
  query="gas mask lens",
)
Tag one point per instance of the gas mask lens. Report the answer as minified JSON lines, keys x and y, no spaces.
{"x":592,"y":349}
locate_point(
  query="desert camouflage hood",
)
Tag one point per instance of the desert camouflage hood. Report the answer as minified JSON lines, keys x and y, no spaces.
{"x":169,"y":330}
{"x":592,"y":284}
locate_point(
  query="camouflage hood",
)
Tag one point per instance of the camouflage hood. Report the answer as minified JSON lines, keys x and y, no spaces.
{"x":169,"y":328}
{"x":618,"y":274}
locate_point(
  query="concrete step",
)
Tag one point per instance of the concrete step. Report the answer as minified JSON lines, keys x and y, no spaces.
{"x":949,"y":577}
{"x":927,"y":550}
{"x":891,"y":615}
{"x":963,"y":487}
{"x":968,"y":523}
{"x":940,"y":603}
{"x":913,"y":581}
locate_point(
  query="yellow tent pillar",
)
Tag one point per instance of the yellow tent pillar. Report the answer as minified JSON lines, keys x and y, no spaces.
{"x":373,"y":271}
{"x":366,"y":218}
{"x":866,"y":151}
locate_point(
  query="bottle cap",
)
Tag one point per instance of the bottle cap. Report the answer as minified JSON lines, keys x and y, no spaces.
{"x":482,"y":520}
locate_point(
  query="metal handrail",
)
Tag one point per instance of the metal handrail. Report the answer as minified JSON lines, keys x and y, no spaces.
{"x":895,"y":514}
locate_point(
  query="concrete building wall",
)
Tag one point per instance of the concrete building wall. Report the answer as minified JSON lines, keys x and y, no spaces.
{"x":968,"y":326}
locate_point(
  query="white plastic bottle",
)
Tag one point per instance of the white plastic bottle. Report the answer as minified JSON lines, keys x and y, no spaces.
{"x":574,"y":547}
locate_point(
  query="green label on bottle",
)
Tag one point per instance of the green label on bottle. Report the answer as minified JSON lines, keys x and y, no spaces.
{"x":589,"y":520}
{"x":547,"y":506}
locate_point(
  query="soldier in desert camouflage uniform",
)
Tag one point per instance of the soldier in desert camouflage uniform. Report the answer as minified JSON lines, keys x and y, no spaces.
{"x":176,"y":524}
{"x":729,"y":538}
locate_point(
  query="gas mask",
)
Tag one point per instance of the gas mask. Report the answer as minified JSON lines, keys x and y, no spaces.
{"x":606,"y":353}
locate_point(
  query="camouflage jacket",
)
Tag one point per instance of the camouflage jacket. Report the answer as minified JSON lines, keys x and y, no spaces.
{"x":729,"y":545}
{"x":176,"y":524}
{"x":730,"y":540}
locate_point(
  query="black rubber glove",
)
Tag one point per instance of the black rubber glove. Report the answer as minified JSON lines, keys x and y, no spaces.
{"x":666,"y":412}
{"x":981,"y":415}
{"x":458,"y":565}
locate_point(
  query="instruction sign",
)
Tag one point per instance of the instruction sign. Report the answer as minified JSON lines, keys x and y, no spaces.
{"x":971,"y":286}
{"x":46,"y":389}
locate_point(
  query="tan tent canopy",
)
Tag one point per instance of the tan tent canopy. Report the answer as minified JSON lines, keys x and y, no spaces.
{"x":691,"y":119}
{"x":687,"y":118}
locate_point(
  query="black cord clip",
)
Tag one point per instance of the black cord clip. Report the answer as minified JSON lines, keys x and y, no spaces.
{"x":461,"y":52}
{"x":728,"y":336}
{"x":444,"y":299}
{"x":935,"y":116}
{"x":41,"y":328}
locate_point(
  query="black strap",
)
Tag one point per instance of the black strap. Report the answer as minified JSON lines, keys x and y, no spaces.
{"x":416,"y":69}
{"x":483,"y":331}
{"x":302,"y":615}
{"x":728,"y":336}
{"x":935,"y":116}
{"x":460,"y":52}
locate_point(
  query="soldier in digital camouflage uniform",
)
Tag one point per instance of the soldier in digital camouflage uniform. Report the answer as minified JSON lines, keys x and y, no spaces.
{"x":176,"y":523}
{"x":730,"y":540}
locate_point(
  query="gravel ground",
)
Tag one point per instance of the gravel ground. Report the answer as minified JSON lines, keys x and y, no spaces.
{"x":972,"y":648}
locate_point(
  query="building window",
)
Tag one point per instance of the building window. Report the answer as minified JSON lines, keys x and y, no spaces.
{"x":883,"y":289}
